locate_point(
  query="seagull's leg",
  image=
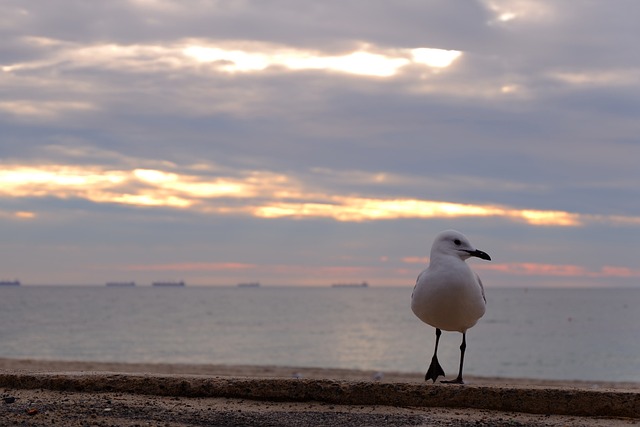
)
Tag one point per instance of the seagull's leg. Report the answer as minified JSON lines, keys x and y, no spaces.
{"x":463,"y":347}
{"x":435,"y":370}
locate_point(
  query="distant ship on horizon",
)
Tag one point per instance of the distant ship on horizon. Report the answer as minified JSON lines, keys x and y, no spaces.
{"x":9,"y":282}
{"x":169,"y":284}
{"x":249,"y":285}
{"x":120,"y":284}
{"x":350,"y":285}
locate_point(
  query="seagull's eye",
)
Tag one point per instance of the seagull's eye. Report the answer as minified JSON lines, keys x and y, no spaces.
{"x":457,"y":242}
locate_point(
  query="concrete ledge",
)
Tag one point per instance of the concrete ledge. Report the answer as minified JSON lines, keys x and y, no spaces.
{"x":534,"y":400}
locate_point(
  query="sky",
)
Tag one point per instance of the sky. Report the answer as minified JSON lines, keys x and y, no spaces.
{"x":296,"y":142}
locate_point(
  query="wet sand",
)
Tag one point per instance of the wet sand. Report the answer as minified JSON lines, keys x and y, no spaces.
{"x":106,"y":394}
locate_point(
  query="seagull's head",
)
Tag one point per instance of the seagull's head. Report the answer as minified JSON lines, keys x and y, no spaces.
{"x":452,"y":242}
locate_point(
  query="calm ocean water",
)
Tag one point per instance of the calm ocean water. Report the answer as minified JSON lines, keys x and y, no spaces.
{"x":586,"y":334}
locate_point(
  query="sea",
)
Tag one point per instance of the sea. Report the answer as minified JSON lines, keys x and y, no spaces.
{"x":566,"y":334}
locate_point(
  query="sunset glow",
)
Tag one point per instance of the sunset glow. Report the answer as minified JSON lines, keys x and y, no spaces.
{"x":548,"y":217}
{"x":361,"y":209}
{"x":263,"y":194}
{"x":558,"y":270}
{"x":25,"y":215}
{"x":17,"y":215}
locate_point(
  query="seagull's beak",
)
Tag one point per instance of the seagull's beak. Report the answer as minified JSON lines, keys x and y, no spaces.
{"x":480,"y":254}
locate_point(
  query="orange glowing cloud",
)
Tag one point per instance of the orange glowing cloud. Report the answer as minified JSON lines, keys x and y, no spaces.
{"x":343,"y":208}
{"x":547,"y":217}
{"x":138,"y":187}
{"x":611,"y":271}
{"x":261,"y":194}
{"x":20,"y":215}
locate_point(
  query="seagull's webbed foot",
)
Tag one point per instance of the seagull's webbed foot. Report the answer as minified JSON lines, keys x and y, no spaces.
{"x":456,"y":381}
{"x":434,"y":371}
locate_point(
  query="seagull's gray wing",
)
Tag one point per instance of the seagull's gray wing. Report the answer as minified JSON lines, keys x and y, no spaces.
{"x":417,"y":280}
{"x":481,"y":288}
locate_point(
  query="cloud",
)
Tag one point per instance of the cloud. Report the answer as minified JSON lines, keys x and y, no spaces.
{"x":360,"y":61}
{"x":47,"y":110}
{"x":17,"y":215}
{"x":363,"y":209}
{"x":191,"y":267}
{"x":263,"y":194}
{"x":559,"y":270}
{"x":227,"y":56}
{"x":506,"y":11}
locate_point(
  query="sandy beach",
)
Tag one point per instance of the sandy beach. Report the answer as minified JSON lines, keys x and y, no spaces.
{"x":38,"y":393}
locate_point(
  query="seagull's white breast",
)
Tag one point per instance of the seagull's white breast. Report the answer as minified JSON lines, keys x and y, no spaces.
{"x":448,"y":295}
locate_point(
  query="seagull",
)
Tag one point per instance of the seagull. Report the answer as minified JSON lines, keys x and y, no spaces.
{"x":448,"y":295}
